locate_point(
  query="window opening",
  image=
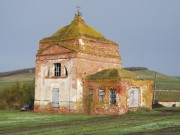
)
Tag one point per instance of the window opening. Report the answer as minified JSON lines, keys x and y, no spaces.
{"x":57,"y":69}
{"x":112,"y":96}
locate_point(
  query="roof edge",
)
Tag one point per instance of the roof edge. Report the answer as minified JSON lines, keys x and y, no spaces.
{"x":57,"y":39}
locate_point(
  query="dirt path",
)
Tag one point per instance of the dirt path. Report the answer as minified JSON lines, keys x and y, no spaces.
{"x":115,"y":119}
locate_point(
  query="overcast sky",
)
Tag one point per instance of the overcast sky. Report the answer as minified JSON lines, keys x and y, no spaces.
{"x":148,"y":31}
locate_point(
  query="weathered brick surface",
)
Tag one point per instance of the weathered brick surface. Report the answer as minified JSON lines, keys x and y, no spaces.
{"x":81,"y":53}
{"x":79,"y":64}
{"x":122,"y":99}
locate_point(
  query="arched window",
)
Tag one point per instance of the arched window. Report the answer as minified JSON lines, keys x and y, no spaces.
{"x":66,"y":72}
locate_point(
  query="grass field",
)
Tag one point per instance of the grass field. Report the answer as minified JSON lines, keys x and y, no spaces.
{"x":7,"y":81}
{"x":167,"y":95}
{"x":160,"y":121}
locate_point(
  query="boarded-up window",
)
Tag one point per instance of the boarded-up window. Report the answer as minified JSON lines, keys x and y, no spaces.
{"x":101,"y":95}
{"x":133,"y":94}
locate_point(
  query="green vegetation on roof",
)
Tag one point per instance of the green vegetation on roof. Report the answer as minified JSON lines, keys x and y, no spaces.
{"x":77,"y":29}
{"x":112,"y":73}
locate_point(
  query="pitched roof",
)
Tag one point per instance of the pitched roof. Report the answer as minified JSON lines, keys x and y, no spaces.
{"x":77,"y":29}
{"x":112,"y":73}
{"x":68,"y":37}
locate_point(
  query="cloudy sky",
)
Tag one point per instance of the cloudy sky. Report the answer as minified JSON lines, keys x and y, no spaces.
{"x":148,"y":31}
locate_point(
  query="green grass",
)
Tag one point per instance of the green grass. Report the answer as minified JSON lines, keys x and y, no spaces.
{"x":7,"y":81}
{"x":164,"y":121}
{"x":167,"y":95}
{"x":77,"y":26}
{"x":162,"y":81}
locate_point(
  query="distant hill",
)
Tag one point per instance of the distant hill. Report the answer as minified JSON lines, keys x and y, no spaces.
{"x":22,"y":77}
{"x":162,"y":81}
{"x":178,"y":77}
{"x":11,"y":77}
{"x":167,"y":87}
{"x":15,"y":72}
{"x":135,"y":68}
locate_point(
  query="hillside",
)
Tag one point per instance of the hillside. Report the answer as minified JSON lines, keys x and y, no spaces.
{"x":22,"y":77}
{"x":16,"y":72}
{"x":167,"y":87}
{"x":162,"y":81}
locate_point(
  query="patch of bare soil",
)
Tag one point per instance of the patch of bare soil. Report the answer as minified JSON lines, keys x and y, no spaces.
{"x":170,"y":112}
{"x":35,"y":128}
{"x":98,"y":120}
{"x":164,"y":131}
{"x":60,"y":124}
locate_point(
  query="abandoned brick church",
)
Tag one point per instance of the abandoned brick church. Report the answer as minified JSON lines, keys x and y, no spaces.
{"x":78,"y":70}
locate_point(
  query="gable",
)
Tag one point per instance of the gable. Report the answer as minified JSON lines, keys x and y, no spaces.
{"x":55,"y":49}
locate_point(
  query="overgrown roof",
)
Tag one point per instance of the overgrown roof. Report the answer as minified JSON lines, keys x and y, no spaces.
{"x":112,"y":73}
{"x":77,"y":29}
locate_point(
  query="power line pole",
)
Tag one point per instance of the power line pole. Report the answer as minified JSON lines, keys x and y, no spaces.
{"x":154,"y":97}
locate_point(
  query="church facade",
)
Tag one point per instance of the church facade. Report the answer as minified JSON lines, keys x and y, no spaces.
{"x":65,"y":63}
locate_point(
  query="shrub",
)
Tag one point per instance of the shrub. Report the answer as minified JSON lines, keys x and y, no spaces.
{"x":87,"y":104}
{"x":16,"y":95}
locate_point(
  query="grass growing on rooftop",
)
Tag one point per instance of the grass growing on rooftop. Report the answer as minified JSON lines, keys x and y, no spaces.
{"x":112,"y":73}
